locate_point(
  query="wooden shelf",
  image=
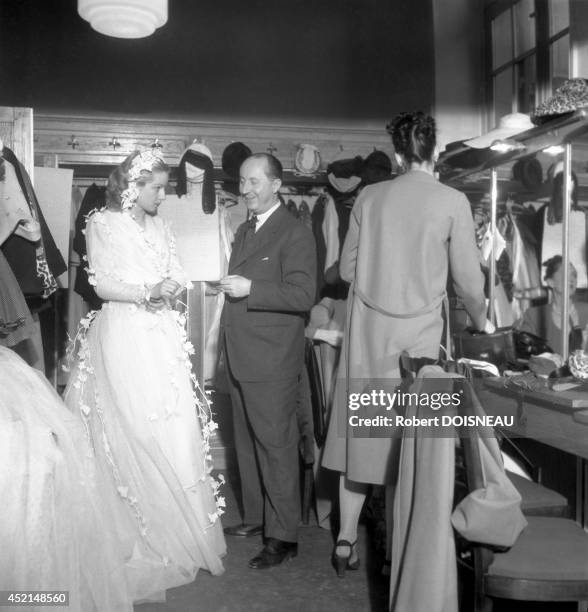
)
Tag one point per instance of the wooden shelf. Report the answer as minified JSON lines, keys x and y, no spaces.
{"x":102,"y":171}
{"x":556,"y":132}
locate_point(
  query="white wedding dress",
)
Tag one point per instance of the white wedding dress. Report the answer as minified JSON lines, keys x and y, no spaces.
{"x":145,"y":417}
{"x":55,"y":513}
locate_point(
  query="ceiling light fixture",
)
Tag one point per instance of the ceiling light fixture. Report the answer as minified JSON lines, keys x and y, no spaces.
{"x":124,"y":18}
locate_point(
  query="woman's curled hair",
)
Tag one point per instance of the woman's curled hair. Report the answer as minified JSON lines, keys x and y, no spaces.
{"x":118,"y":180}
{"x":413,"y":136}
{"x":552,"y":265}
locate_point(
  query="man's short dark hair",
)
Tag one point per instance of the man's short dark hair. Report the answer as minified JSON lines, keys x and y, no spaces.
{"x":273,"y":166}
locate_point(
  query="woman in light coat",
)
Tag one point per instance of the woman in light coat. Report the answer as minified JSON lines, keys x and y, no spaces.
{"x":404,"y":236}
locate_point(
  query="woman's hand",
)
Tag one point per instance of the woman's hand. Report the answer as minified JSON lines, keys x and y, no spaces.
{"x":489,"y":327}
{"x":167,"y":290}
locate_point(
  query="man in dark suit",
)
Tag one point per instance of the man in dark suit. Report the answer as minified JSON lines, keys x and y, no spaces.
{"x":270,"y":287}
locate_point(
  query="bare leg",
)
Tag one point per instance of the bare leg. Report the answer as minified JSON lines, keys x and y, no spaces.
{"x":351,"y":498}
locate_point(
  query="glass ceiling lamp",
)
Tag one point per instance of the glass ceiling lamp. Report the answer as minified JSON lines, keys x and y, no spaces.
{"x":124,"y":18}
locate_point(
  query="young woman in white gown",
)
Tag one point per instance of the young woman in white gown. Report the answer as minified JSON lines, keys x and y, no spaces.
{"x":146,"y":418}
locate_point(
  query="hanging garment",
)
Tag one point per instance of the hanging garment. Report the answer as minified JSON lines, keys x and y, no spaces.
{"x":16,"y":321}
{"x":94,"y":199}
{"x":318,"y":216}
{"x":332,"y":242}
{"x":35,"y":265}
{"x":292,"y":208}
{"x":526,"y":275}
{"x":77,"y":308}
{"x":304,"y":214}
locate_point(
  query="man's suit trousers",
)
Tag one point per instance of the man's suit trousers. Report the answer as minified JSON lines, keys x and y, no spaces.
{"x":266,"y":442}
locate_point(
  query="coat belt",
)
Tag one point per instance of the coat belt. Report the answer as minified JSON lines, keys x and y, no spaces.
{"x":411,"y":315}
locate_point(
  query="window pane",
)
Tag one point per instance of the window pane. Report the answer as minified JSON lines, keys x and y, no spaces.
{"x":560,"y":61}
{"x":524,"y":26}
{"x":526,"y":84}
{"x":559,"y":16}
{"x":502,"y":39}
{"x":502,"y":94}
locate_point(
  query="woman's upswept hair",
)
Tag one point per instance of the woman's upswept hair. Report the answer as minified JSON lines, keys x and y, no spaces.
{"x":552,"y":265}
{"x":118,"y":180}
{"x":413,"y":136}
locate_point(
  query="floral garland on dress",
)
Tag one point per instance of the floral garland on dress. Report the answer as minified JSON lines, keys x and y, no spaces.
{"x":78,"y":351}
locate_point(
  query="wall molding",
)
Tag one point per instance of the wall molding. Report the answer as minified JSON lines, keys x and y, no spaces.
{"x":84,"y":139}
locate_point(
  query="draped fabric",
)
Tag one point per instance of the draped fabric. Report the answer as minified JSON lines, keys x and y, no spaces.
{"x":36,"y":265}
{"x":94,"y":199}
{"x":16,"y":321}
{"x":56,"y":521}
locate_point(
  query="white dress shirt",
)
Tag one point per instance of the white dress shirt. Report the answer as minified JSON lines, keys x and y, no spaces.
{"x":263,"y":217}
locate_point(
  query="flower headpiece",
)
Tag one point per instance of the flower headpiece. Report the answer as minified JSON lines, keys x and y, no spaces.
{"x":143,"y":162}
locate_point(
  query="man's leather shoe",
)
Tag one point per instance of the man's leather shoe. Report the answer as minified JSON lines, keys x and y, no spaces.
{"x":273,"y":553}
{"x":244,"y":530}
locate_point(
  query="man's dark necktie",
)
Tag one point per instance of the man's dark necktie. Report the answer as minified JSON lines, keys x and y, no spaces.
{"x":251,"y":224}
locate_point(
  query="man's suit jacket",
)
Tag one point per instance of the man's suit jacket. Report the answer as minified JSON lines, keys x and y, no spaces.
{"x":264,"y":332}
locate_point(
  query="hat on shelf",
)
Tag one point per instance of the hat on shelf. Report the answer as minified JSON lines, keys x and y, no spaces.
{"x":510,"y":125}
{"x":376,"y":167}
{"x":196,"y":167}
{"x":307,"y":160}
{"x":233,"y":156}
{"x":571,"y":96}
{"x":344,"y":172}
{"x":529,"y":172}
{"x":458,"y":155}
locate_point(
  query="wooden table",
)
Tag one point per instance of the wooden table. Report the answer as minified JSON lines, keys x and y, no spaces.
{"x":549,"y":417}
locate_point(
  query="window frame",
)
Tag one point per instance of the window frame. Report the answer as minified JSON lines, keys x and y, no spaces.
{"x":542,"y":51}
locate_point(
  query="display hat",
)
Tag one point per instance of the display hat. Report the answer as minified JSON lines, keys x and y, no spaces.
{"x":571,"y":96}
{"x":197,"y":156}
{"x":233,"y":156}
{"x":344,"y":172}
{"x":529,"y":172}
{"x":510,"y":125}
{"x":376,"y":167}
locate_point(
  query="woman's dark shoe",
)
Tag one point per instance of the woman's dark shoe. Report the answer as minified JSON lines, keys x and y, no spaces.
{"x":342,"y":563}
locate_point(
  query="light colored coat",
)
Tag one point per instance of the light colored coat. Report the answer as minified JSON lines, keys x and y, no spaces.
{"x":404,"y":236}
